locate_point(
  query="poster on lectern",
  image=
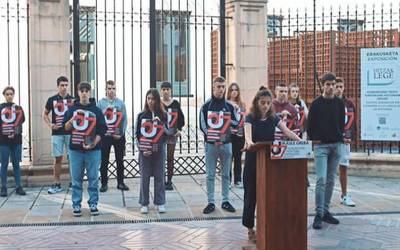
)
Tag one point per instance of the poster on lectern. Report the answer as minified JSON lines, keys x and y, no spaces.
{"x":284,"y":150}
{"x":380,"y":94}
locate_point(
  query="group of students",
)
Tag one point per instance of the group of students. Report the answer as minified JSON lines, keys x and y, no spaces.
{"x":87,"y":131}
{"x":330,"y":121}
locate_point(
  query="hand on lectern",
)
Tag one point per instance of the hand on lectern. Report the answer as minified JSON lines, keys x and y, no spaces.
{"x":248,"y":145}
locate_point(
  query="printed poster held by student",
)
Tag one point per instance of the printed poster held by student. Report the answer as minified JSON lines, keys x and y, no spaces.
{"x":239,"y":130}
{"x":150,"y":135}
{"x":83,"y":127}
{"x":60,"y":107}
{"x":113,"y":118}
{"x":172,"y":115}
{"x":218,"y":126}
{"x":11,"y":120}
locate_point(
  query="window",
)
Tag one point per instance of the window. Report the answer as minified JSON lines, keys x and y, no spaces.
{"x":172,"y":41}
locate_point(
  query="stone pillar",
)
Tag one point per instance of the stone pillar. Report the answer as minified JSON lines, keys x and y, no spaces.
{"x":247,"y":45}
{"x":49,"y":58}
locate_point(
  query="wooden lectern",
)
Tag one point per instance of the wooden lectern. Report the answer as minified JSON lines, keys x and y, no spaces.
{"x":281,"y":201}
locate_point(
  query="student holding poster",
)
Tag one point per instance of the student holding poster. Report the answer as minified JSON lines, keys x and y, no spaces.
{"x":58,"y":105}
{"x":216,"y":118}
{"x":300,"y":105}
{"x":176,"y":120}
{"x":285,"y":111}
{"x":12,"y":117}
{"x":115,"y":115}
{"x":88,"y":126}
{"x":234,"y":97}
{"x":151,"y":131}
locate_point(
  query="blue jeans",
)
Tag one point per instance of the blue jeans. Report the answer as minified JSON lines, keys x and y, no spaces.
{"x":79,"y":161}
{"x":224,"y":154}
{"x":15,"y":152}
{"x":327,"y":158}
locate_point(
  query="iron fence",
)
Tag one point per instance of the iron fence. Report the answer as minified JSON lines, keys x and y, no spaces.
{"x":305,"y":44}
{"x":14,"y":60}
{"x":141,"y":45}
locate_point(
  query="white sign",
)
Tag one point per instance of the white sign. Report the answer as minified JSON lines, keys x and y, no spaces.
{"x":380,"y":94}
{"x":281,"y":150}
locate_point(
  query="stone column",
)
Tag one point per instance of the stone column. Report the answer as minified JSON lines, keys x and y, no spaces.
{"x":247,"y":45}
{"x":49,"y":58}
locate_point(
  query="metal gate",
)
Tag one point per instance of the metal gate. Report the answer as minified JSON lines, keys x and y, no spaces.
{"x":140,"y":44}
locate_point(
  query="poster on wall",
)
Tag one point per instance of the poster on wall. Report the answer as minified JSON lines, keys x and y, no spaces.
{"x":380,"y":94}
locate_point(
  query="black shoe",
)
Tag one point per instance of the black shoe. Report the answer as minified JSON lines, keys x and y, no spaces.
{"x":328,"y":218}
{"x":93,"y":210}
{"x":76,"y":211}
{"x":168,"y":186}
{"x":210,"y":208}
{"x":228,"y":207}
{"x":3,"y":192}
{"x":122,"y":186}
{"x":317,"y":222}
{"x":103,"y":188}
{"x":70,"y":185}
{"x":19,"y":190}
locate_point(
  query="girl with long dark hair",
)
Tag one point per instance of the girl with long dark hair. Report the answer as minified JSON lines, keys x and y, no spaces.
{"x":259,"y":126}
{"x":151,"y":131}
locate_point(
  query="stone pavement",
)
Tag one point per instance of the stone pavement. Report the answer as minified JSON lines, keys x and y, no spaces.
{"x":373,"y":224}
{"x":376,"y":232}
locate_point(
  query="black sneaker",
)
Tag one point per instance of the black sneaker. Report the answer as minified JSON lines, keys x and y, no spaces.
{"x":103,"y":188}
{"x":76,"y":211}
{"x":3,"y":192}
{"x":122,"y":186}
{"x":210,"y":208}
{"x":93,"y":210}
{"x":168,"y":186}
{"x":19,"y":190}
{"x":228,"y":207}
{"x":317,"y":224}
{"x":328,"y":218}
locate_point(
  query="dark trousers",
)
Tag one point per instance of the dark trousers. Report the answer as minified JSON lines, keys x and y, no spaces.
{"x":249,"y":184}
{"x":170,"y":161}
{"x":119,"y":149}
{"x":237,"y":146}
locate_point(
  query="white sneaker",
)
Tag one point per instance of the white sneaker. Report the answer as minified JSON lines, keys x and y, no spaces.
{"x":55,"y":188}
{"x":144,"y":210}
{"x":161,"y":209}
{"x":347,"y":201}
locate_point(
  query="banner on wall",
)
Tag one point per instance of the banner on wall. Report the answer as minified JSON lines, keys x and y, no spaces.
{"x":380,"y":94}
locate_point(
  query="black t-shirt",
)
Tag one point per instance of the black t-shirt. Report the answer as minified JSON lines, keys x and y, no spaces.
{"x":262,"y":129}
{"x":58,"y":105}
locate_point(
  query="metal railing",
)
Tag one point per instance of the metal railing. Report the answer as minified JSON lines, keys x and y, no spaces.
{"x":303,"y":44}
